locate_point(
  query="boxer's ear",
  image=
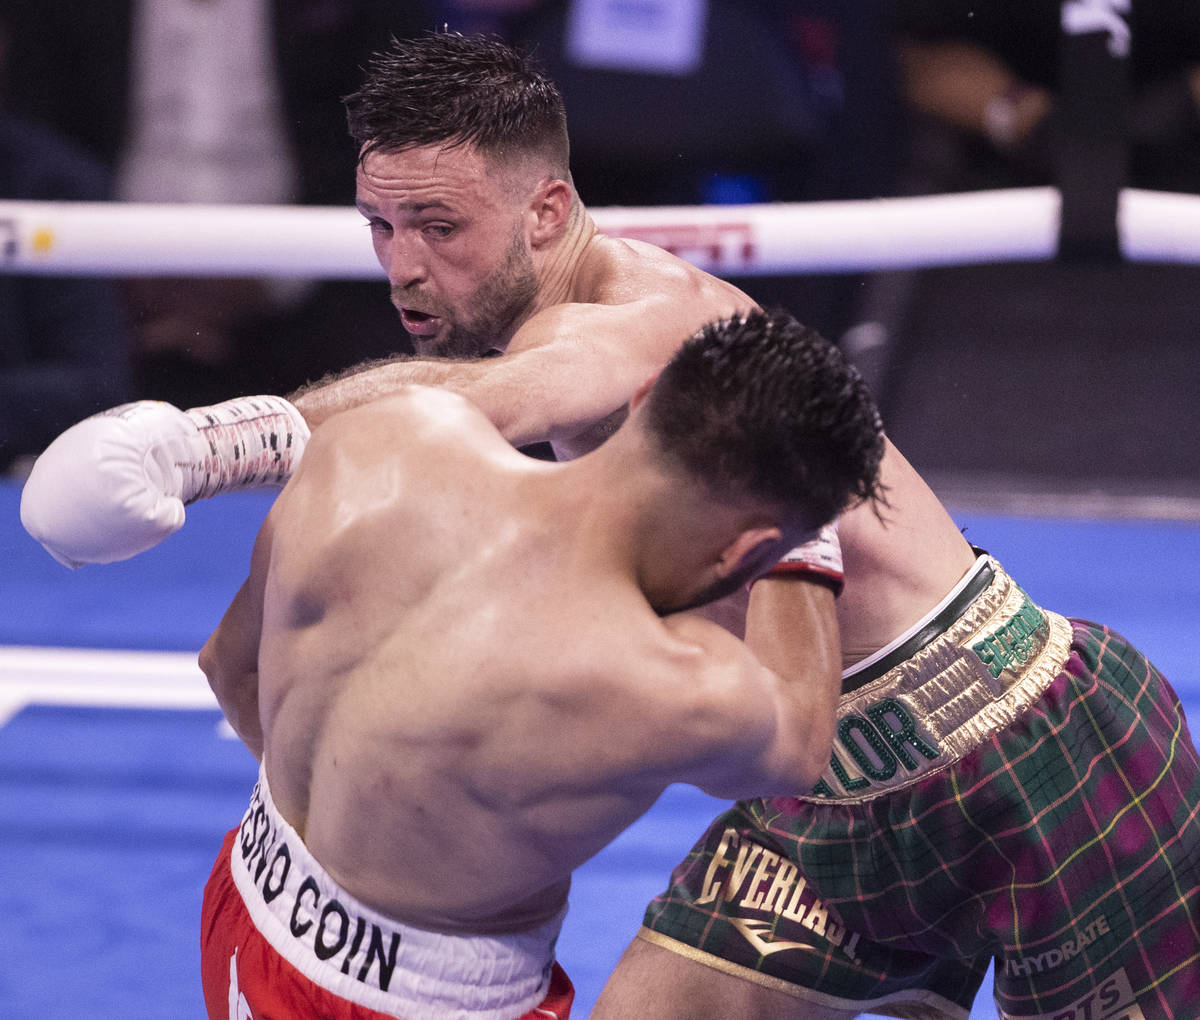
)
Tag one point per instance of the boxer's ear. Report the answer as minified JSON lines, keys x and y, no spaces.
{"x":755,"y":543}
{"x":549,"y":210}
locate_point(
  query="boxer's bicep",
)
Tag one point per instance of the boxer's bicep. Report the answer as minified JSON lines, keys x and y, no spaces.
{"x":753,"y":732}
{"x":572,"y":366}
{"x":775,"y":743}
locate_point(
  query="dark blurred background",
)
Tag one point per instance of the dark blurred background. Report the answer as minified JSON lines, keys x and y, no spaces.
{"x":1064,"y":387}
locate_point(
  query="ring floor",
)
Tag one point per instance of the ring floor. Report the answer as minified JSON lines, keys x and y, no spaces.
{"x":118,"y":781}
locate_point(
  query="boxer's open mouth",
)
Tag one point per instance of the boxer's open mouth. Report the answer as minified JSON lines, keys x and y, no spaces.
{"x":419,"y":323}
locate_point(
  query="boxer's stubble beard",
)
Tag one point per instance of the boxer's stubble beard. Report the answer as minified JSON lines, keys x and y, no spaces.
{"x":498,"y":304}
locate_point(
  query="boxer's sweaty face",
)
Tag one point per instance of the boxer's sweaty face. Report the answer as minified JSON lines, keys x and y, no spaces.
{"x":449,"y":235}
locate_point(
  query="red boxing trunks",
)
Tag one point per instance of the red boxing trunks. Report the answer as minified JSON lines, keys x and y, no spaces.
{"x":280,"y":939}
{"x":1006,"y":786}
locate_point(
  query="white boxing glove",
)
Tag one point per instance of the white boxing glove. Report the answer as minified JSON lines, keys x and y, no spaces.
{"x":116,"y":483}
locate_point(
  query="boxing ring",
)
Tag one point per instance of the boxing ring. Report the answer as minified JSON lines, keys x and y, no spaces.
{"x":119,"y":775}
{"x":1015,"y":224}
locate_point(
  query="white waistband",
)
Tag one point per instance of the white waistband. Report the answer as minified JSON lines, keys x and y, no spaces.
{"x":981,"y":562}
{"x":361,"y":955}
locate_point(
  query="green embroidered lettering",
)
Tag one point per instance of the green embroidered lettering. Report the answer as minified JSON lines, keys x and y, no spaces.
{"x":885,"y":768}
{"x":1011,"y":644}
{"x":991,"y":654}
{"x":848,"y":784}
{"x":901,"y":733}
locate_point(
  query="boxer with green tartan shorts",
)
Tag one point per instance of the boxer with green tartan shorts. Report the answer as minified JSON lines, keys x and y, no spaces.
{"x":1006,"y":786}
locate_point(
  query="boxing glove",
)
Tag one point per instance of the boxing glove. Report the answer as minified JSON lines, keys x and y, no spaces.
{"x":819,"y":559}
{"x":116,"y":483}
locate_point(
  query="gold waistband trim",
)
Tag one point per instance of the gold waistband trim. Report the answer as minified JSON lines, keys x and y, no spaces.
{"x":941,"y":1006}
{"x":975,"y":678}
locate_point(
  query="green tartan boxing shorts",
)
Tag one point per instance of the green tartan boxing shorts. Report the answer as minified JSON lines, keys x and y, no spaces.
{"x":1006,"y":785}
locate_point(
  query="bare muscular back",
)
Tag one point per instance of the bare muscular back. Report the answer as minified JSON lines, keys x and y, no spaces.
{"x":400,"y":682}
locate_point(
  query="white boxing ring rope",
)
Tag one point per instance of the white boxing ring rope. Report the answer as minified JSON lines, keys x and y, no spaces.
{"x":1020,"y":224}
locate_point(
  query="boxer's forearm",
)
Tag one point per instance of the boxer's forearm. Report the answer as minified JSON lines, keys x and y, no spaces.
{"x":373,"y":380}
{"x":530,"y":397}
{"x":792,"y":628}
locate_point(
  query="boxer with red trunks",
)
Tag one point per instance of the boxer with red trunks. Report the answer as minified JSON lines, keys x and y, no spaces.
{"x":458,"y":667}
{"x":278,"y":932}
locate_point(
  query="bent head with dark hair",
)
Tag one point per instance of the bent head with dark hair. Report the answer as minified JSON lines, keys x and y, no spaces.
{"x":762,"y":406}
{"x":443,"y":88}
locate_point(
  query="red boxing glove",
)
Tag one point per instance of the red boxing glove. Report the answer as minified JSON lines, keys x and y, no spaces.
{"x":819,"y":559}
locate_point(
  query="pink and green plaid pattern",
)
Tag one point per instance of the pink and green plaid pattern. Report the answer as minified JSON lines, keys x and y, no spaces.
{"x":1065,"y":847}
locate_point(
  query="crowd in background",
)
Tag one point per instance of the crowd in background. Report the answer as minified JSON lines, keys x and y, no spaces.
{"x":729,"y":100}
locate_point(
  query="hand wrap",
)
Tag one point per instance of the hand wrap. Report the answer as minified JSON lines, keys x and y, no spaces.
{"x":819,"y":559}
